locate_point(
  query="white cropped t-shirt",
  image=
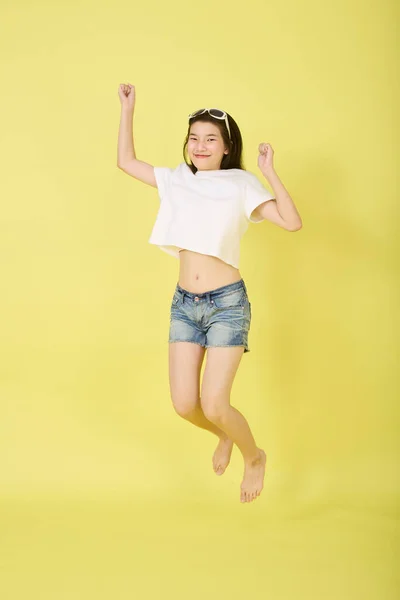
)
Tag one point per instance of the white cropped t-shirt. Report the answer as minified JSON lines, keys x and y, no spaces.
{"x":206,"y":212}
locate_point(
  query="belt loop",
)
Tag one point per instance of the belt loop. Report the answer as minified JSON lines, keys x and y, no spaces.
{"x":183,"y":297}
{"x":208,"y":295}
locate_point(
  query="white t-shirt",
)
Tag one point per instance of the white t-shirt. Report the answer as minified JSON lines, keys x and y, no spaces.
{"x":206,"y":212}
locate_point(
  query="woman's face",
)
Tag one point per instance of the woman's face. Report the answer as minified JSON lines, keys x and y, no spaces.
{"x":206,"y":147}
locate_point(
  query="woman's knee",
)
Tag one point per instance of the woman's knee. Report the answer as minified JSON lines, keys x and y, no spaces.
{"x":185,"y":406}
{"x":214,"y":409}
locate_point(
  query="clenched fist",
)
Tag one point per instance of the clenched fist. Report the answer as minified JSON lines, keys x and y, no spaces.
{"x":265,"y":157}
{"x":127,"y":95}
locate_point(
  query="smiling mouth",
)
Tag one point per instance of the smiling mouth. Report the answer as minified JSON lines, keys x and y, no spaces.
{"x":202,"y":155}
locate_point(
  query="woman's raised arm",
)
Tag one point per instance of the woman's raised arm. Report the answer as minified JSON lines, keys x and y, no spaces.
{"x":126,"y":158}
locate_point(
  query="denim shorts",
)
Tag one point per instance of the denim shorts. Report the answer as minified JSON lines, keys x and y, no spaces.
{"x":220,"y":317}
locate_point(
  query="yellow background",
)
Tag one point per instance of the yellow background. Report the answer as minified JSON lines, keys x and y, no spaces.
{"x":105,"y":493}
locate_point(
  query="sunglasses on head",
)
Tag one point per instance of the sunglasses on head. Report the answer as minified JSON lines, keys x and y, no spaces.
{"x":216,"y":113}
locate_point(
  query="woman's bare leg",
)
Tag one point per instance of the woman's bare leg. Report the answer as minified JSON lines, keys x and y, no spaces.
{"x":219,"y":374}
{"x":185,"y":362}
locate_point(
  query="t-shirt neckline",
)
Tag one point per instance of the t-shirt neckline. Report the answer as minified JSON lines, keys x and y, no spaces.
{"x":211,"y":172}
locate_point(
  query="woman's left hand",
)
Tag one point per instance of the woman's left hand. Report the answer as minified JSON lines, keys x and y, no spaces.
{"x":265,"y":157}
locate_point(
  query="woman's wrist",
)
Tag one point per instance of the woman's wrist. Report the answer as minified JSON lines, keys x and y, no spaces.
{"x":127,"y":110}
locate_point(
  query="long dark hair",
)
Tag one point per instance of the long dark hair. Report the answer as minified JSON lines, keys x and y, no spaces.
{"x":234,"y":159}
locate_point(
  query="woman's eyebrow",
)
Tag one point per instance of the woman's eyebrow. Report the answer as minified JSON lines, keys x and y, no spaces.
{"x":207,"y":135}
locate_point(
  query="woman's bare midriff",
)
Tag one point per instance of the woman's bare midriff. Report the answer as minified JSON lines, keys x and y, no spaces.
{"x":201,"y":273}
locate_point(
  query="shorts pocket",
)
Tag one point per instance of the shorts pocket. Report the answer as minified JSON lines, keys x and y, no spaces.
{"x":236,"y":299}
{"x":176,"y":300}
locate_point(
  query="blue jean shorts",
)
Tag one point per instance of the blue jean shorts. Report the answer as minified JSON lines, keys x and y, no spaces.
{"x":220,"y":317}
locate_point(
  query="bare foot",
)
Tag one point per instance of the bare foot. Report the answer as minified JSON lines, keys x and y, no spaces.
{"x":253,"y":479}
{"x":222,"y":455}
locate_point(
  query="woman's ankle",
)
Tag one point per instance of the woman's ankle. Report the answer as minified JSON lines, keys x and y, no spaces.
{"x":254,"y":458}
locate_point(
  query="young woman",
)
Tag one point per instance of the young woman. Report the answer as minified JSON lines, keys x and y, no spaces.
{"x":206,"y":206}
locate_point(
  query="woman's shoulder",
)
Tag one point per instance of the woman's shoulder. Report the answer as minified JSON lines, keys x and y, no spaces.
{"x":241,"y":174}
{"x":247,"y":175}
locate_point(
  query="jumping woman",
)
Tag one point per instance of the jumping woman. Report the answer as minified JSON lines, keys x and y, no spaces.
{"x":206,"y":205}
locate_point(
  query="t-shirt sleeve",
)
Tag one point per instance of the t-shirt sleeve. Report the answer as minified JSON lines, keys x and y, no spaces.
{"x":255,"y":194}
{"x":163,"y":177}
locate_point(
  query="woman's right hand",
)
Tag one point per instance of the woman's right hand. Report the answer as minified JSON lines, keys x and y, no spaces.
{"x":127,"y":95}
